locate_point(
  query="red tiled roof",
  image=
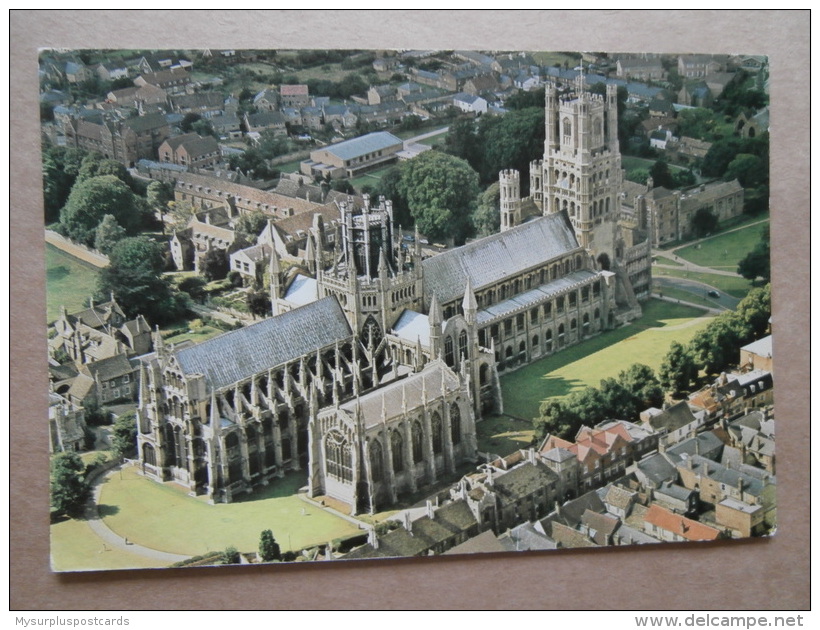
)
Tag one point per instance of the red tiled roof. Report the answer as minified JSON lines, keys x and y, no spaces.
{"x":294,"y":90}
{"x":677,"y":524}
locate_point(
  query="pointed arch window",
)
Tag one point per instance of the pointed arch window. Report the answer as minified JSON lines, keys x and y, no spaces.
{"x":396,"y":444}
{"x":455,"y":423}
{"x":376,"y":459}
{"x":338,"y":456}
{"x":438,"y":434}
{"x":417,"y":434}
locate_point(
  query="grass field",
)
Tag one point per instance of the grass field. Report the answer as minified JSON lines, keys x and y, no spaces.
{"x":69,"y":282}
{"x":644,"y":341}
{"x":75,"y":547}
{"x":733,"y":285}
{"x":198,"y":336}
{"x":630,"y":162}
{"x":503,"y":435}
{"x":723,"y":251}
{"x":164,"y":517}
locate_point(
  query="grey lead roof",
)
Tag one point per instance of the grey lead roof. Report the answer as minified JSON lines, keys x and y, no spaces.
{"x":496,"y":257}
{"x":362,"y":145}
{"x":240,"y":354}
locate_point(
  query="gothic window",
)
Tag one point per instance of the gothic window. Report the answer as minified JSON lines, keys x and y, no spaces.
{"x":548,"y":341}
{"x":561,"y":335}
{"x":535,"y":341}
{"x":338,"y":456}
{"x":585,"y":295}
{"x":462,"y":344}
{"x":586,"y":323}
{"x":548,"y":309}
{"x":508,"y":327}
{"x":597,"y":313}
{"x":519,"y":321}
{"x":149,"y":455}
{"x":376,"y":466}
{"x":483,"y":374}
{"x":567,"y":127}
{"x":573,"y":299}
{"x":396,"y":451}
{"x":597,"y":127}
{"x":534,"y":315}
{"x":437,"y":430}
{"x":455,"y":423}
{"x":417,"y":435}
{"x":560,"y":304}
{"x":448,"y":351}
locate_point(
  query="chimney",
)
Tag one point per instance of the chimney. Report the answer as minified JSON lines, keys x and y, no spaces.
{"x":430,"y":511}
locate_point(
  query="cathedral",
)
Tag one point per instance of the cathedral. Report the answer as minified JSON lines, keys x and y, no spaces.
{"x":378,"y":361}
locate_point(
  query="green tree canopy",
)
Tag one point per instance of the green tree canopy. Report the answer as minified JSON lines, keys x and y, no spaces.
{"x":661,"y":175}
{"x":441,"y":192}
{"x":60,"y":168}
{"x":487,"y":215}
{"x":124,"y":438}
{"x":109,"y":233}
{"x":134,"y":276}
{"x":514,"y":142}
{"x":678,"y":369}
{"x":69,"y":489}
{"x":90,"y":200}
{"x":268,"y":547}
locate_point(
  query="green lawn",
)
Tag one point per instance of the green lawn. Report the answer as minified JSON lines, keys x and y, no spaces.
{"x":503,"y":435}
{"x":198,"y":336}
{"x":644,"y":341}
{"x":723,"y":251}
{"x":630,"y":162}
{"x":69,"y":282}
{"x":164,"y":517}
{"x":75,"y":547}
{"x":372,"y":178}
{"x":733,"y":285}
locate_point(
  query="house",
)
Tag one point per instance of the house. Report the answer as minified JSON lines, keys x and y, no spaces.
{"x":696,"y":94}
{"x":757,"y":355}
{"x":115,"y":380}
{"x":173,"y":81}
{"x":206,"y":104}
{"x":469,"y":103}
{"x":112,"y":70}
{"x":659,"y":138}
{"x":190,"y":150}
{"x":668,"y":526}
{"x":295,"y":96}
{"x":99,"y":332}
{"x":753,"y":435}
{"x":67,"y":427}
{"x":267,"y":100}
{"x":353,"y":157}
{"x":749,"y":124}
{"x":124,"y":141}
{"x":266,"y":120}
{"x":640,"y":69}
{"x":672,"y":423}
{"x":698,"y":66}
{"x":139,"y":95}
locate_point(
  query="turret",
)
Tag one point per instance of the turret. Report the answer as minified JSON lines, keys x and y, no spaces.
{"x":510,"y":198}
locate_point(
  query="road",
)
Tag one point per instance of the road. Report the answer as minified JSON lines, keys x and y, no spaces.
{"x":697,"y":288}
{"x":424,"y":136}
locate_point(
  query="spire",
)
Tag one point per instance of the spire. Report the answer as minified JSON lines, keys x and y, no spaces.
{"x":469,"y":303}
{"x":435,"y":316}
{"x":383,"y":268}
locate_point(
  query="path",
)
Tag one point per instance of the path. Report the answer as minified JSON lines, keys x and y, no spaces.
{"x":201,"y":309}
{"x":424,"y":136}
{"x":690,"y":266}
{"x":109,"y":537}
{"x":327,"y":508}
{"x":692,"y":322}
{"x":78,"y":251}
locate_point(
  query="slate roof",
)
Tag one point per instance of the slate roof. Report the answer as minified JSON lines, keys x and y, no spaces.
{"x":707,"y":444}
{"x":413,"y":326}
{"x":525,"y":300}
{"x":303,"y":290}
{"x":673,"y":418}
{"x":657,"y":469}
{"x":496,"y":257}
{"x":523,"y":480}
{"x":761,"y":347}
{"x":485,"y":542}
{"x":111,"y":367}
{"x":240,"y":354}
{"x":146,"y":123}
{"x":390,"y":397}
{"x":525,"y":538}
{"x":369,"y":143}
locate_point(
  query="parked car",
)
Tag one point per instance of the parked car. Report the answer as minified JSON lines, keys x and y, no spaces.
{"x":713,"y":293}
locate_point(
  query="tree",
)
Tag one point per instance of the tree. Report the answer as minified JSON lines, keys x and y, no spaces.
{"x":134,"y":276}
{"x":60,"y":168}
{"x":251,"y":224}
{"x":638,"y":175}
{"x":462,"y":141}
{"x":758,"y":262}
{"x":108,"y":234}
{"x":230,"y":555}
{"x":441,"y":192}
{"x":268,"y":547}
{"x":92,"y":199}
{"x":678,"y":369}
{"x":750,"y":170}
{"x":69,"y":489}
{"x":259,"y":303}
{"x":194,"y":286}
{"x":124,"y":439}
{"x":214,"y":264}
{"x":514,"y":142}
{"x":95,"y":165}
{"x":487,"y":216}
{"x":661,"y":175}
{"x":188,"y":120}
{"x":640,"y":380}
{"x":158,"y":194}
